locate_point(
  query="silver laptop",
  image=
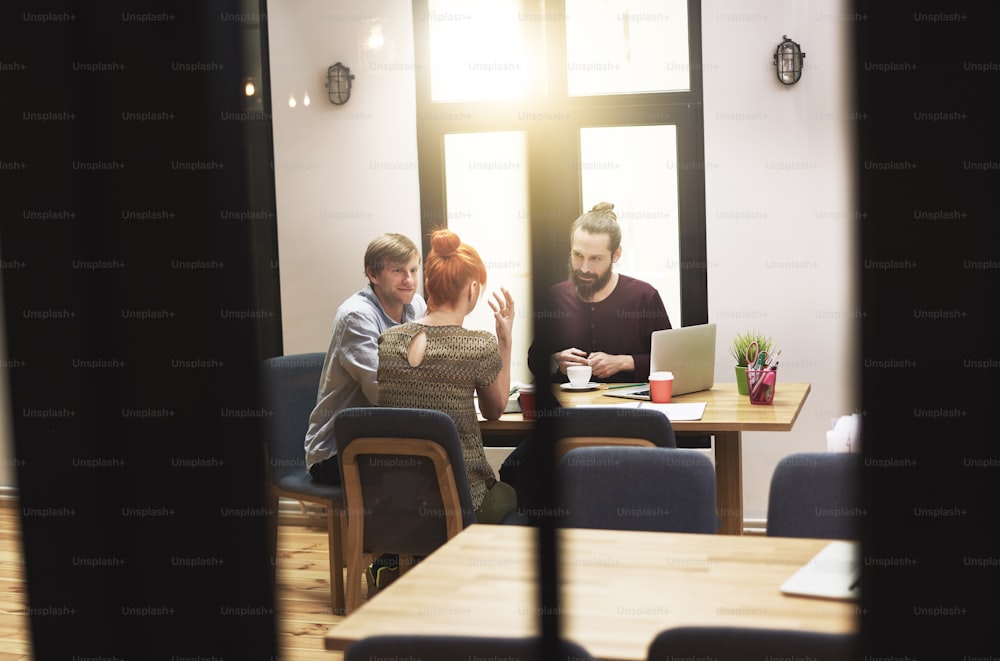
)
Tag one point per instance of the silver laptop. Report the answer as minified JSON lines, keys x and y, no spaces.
{"x":833,"y":573}
{"x":688,"y":352}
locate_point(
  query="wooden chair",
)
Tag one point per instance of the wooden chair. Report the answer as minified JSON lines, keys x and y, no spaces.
{"x":637,"y":488}
{"x":611,"y":426}
{"x":290,"y":386}
{"x":405,"y":484}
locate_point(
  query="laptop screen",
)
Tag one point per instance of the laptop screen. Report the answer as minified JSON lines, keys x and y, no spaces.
{"x":688,"y":352}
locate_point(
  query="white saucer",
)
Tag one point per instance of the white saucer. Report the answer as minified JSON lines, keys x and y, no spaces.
{"x":586,"y":386}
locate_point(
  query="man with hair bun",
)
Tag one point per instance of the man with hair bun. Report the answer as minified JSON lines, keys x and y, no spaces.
{"x":599,"y":317}
{"x":596,"y":317}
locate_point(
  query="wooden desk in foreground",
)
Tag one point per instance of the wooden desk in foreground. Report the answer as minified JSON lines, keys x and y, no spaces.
{"x":619,"y":589}
{"x":727,"y":415}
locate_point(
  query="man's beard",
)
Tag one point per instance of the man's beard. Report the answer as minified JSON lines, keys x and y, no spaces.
{"x":586,"y":289}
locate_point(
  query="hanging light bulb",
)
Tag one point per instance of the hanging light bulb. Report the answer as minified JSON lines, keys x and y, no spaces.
{"x":375,"y":37}
{"x":305,"y":98}
{"x":248,"y":87}
{"x":291,"y":101}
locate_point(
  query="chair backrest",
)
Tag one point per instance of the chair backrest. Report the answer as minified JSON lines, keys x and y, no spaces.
{"x":290,"y":385}
{"x":403,"y":468}
{"x":609,"y":425}
{"x":458,"y":648}
{"x":750,"y":644}
{"x":815,"y":494}
{"x":637,"y":488}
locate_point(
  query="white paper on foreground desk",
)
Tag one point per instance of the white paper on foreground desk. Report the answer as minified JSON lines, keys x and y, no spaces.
{"x":674,"y":412}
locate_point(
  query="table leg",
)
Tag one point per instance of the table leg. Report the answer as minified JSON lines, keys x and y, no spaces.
{"x":729,"y":481}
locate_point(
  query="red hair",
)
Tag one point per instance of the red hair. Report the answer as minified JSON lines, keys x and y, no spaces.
{"x":450,"y":267}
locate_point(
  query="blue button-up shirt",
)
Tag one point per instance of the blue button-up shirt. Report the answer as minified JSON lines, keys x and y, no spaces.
{"x":350,"y":370}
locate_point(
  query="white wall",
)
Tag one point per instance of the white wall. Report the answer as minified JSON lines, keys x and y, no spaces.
{"x":780,"y":210}
{"x":343,"y":174}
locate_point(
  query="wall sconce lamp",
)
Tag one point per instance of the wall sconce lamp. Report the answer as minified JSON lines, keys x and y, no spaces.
{"x":788,"y":61}
{"x":338,"y":84}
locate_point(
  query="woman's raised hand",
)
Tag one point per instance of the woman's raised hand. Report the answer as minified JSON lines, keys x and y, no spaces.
{"x":503,"y":312}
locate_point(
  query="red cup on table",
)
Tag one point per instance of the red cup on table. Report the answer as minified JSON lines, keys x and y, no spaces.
{"x":661,"y":386}
{"x":526,"y":395}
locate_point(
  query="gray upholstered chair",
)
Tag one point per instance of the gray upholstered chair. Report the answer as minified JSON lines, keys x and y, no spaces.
{"x":290,"y":385}
{"x":459,"y":648}
{"x":815,"y":494}
{"x":637,"y":488}
{"x":750,"y":644}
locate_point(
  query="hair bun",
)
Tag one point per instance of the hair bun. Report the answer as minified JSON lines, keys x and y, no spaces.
{"x":445,"y":242}
{"x":606,"y":209}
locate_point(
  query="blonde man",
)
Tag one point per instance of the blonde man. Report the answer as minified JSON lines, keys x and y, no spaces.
{"x":392,"y":266}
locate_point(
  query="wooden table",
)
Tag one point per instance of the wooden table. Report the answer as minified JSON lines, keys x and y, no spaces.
{"x":619,"y":589}
{"x":727,"y":415}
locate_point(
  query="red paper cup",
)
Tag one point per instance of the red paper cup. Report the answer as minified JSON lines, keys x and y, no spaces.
{"x":526,"y":395}
{"x":661,"y":386}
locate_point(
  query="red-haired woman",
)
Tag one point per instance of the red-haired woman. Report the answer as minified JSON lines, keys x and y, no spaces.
{"x":435,"y":363}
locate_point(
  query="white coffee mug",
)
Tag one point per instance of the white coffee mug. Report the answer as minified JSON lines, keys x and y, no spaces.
{"x":579,"y":375}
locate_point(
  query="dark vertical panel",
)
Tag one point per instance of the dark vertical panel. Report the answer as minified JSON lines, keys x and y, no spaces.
{"x":929,"y":264}
{"x":261,"y":213}
{"x":430,"y":137}
{"x":691,"y":207}
{"x":691,"y":185}
{"x":132,"y":313}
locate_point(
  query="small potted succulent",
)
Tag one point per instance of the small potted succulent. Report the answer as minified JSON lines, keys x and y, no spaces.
{"x":738,"y":349}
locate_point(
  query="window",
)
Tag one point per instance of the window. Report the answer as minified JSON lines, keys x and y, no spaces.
{"x":529,"y":112}
{"x":626,"y":47}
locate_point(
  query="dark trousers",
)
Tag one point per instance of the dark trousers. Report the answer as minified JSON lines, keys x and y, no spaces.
{"x":326,"y":471}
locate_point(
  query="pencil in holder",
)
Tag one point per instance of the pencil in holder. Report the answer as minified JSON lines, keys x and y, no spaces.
{"x":761,"y":384}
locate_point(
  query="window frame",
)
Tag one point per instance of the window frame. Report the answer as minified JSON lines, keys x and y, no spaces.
{"x":554,"y":194}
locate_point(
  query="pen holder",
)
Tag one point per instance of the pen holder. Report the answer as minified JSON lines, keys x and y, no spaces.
{"x":761,"y":385}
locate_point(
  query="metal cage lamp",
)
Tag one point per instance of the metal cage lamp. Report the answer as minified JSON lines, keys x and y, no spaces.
{"x":338,"y":84}
{"x":788,"y":61}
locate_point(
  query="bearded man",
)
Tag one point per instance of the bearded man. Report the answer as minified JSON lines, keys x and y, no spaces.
{"x":600,"y":317}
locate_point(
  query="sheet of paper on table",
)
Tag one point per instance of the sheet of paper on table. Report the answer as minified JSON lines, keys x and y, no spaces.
{"x":674,"y":412}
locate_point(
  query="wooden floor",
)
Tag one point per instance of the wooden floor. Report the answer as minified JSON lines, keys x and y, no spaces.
{"x":303,"y":593}
{"x":15,"y":640}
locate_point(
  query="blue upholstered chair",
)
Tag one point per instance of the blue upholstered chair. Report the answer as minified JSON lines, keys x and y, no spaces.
{"x":405,"y":484}
{"x":459,"y":648}
{"x":815,"y":494}
{"x":290,"y":385}
{"x":637,"y":488}
{"x":749,"y":644}
{"x":577,"y":428}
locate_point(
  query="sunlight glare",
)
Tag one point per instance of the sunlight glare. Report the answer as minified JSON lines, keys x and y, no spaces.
{"x":478,"y":51}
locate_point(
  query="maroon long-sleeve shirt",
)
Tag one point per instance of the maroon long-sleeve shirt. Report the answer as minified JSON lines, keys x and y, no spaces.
{"x":620,"y":324}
